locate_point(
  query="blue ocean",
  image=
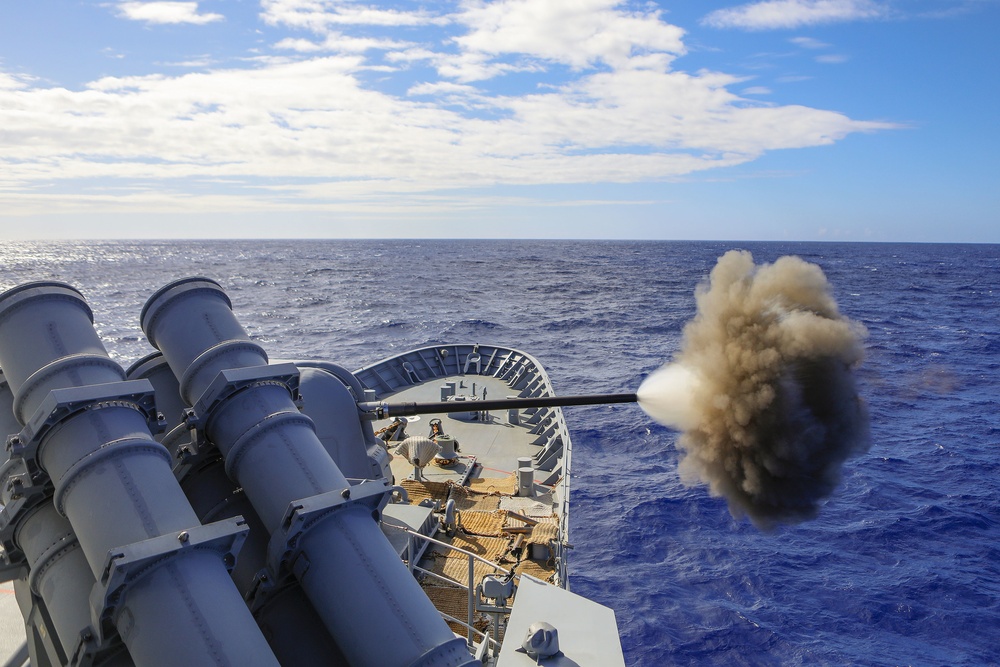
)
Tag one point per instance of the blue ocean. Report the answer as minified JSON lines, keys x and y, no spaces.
{"x":902,"y":565}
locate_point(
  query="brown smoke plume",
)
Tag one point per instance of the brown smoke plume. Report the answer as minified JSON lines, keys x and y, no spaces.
{"x":763,"y":389}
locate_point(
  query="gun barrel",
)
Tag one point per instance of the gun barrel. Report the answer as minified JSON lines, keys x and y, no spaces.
{"x":383,"y":410}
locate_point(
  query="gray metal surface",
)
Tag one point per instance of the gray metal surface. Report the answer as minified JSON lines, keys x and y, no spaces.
{"x":588,"y":633}
{"x":115,"y":485}
{"x":491,"y":443}
{"x":321,"y":528}
{"x":110,"y":535}
{"x":495,"y":443}
{"x":294,"y":631}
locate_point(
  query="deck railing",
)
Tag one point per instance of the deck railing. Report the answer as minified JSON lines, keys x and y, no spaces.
{"x":412,"y":537}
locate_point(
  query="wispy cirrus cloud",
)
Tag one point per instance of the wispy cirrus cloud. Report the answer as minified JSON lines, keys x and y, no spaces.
{"x":777,"y":14}
{"x":337,"y":42}
{"x":166,"y":12}
{"x":808,"y":43}
{"x":320,"y":15}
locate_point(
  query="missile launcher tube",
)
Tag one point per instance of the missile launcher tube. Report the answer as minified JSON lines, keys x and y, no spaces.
{"x":291,"y":626}
{"x":58,"y":579}
{"x":370,"y":603}
{"x":114,"y":484}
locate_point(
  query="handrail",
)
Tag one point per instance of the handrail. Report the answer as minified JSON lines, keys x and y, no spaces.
{"x":448,"y":546}
{"x":449,"y":617}
{"x":563,"y":543}
{"x":471,"y":585}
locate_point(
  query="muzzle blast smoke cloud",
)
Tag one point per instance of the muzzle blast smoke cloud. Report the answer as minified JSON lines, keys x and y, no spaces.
{"x":763,"y":389}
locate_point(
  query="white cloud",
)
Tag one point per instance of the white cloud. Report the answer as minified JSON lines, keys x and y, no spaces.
{"x":337,"y":42}
{"x":578,"y":33}
{"x":307,"y":130}
{"x":832,"y":59}
{"x":412,"y":55}
{"x":10,"y":82}
{"x":497,"y":38}
{"x":165,"y":12}
{"x":808,"y":43}
{"x":443,"y":88}
{"x":466,"y":66}
{"x":771,"y":14}
{"x":318,"y":15}
{"x":193,"y":63}
{"x":314,"y":120}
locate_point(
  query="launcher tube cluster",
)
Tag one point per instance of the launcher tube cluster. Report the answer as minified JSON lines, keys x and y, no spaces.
{"x":158,"y":573}
{"x":126,"y":565}
{"x":321,"y":528}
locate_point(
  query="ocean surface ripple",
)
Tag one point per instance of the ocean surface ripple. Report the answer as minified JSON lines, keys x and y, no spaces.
{"x":902,"y":566}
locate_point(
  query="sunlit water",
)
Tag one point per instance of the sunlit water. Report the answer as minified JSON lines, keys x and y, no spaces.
{"x":902,"y":565}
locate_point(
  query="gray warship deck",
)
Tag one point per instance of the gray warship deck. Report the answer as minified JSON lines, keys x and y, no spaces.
{"x":492,"y":446}
{"x":522,"y":533}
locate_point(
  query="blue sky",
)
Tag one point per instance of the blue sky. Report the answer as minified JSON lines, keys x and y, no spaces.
{"x":764,"y":120}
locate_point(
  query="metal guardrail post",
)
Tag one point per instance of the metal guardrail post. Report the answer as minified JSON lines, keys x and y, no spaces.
{"x":470,"y":587}
{"x":472,"y":598}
